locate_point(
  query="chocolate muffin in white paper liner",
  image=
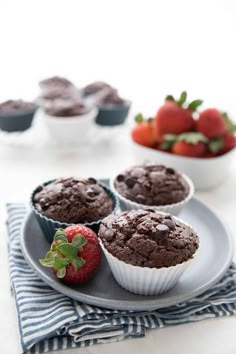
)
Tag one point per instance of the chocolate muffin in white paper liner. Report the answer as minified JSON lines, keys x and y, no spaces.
{"x":147,"y":252}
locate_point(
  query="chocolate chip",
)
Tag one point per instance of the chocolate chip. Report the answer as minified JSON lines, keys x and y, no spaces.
{"x":42,"y":201}
{"x":170,"y":217}
{"x":108,"y":234}
{"x":90,"y":192}
{"x":162,"y":228}
{"x":130,"y":182}
{"x":96,"y":189}
{"x":170,"y":171}
{"x":92,"y":180}
{"x":120,"y":178}
{"x":169,"y":223}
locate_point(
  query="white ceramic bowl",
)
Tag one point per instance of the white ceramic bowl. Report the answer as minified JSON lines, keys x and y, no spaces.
{"x":144,"y":280}
{"x":204,"y":172}
{"x":173,"y":209}
{"x":71,"y":130}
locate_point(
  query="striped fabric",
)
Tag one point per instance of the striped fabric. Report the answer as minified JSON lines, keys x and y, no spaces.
{"x":50,"y":321}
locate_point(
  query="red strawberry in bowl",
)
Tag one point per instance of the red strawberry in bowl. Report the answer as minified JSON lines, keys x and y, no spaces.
{"x":74,"y":255}
{"x":174,"y":118}
{"x":191,"y":144}
{"x":188,"y":149}
{"x":143,"y":132}
{"x":211,"y":123}
{"x":229,"y":142}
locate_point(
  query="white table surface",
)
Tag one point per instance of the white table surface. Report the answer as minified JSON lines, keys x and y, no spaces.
{"x":25,"y":164}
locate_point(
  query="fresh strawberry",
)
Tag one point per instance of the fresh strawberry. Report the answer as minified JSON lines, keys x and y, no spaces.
{"x":143,"y":131}
{"x":229,"y":142}
{"x":211,"y":123}
{"x":188,"y":149}
{"x":173,"y":118}
{"x":74,"y":255}
{"x":190,"y":144}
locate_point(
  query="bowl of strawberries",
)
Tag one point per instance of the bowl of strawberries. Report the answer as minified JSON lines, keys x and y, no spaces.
{"x":198,"y":142}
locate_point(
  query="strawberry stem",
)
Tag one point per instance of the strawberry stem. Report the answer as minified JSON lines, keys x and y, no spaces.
{"x":139,"y":118}
{"x":194,"y":105}
{"x":182,"y":98}
{"x":215,"y":145}
{"x":63,"y":253}
{"x":169,"y":98}
{"x":231,"y":126}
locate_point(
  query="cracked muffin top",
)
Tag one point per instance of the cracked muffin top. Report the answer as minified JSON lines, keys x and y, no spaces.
{"x":148,"y":239}
{"x":73,"y":200}
{"x":152,"y":184}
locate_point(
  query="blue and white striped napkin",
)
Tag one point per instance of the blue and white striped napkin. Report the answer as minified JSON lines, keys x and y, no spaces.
{"x":50,"y":321}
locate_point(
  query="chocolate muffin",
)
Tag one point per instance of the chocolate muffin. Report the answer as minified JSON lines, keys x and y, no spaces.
{"x":16,"y":106}
{"x":109,"y":96}
{"x":16,"y":115}
{"x":55,"y":82}
{"x":148,"y":239}
{"x":152,"y":184}
{"x":55,"y":90}
{"x":69,"y":107}
{"x":95,"y":87}
{"x":73,"y":200}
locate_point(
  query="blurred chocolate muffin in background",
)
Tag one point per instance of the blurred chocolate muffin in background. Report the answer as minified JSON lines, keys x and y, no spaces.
{"x":56,"y":88}
{"x":94,"y":88}
{"x":112,"y":109}
{"x":55,"y":82}
{"x":16,"y":115}
{"x":108,"y":96}
{"x":69,"y":107}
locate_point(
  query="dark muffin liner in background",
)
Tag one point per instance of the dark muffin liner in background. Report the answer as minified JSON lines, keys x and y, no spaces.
{"x":111,"y":115}
{"x":16,"y":122}
{"x":49,"y":226}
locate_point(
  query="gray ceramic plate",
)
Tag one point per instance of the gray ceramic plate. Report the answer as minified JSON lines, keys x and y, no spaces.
{"x":213,"y":258}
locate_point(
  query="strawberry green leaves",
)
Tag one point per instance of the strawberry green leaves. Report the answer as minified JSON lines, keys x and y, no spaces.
{"x":231,"y":126}
{"x":215,"y":145}
{"x":68,"y":250}
{"x":60,"y":235}
{"x":63,"y":253}
{"x":139,"y":118}
{"x":192,"y":106}
{"x":182,"y":98}
{"x":170,"y":98}
{"x":190,"y":137}
{"x":78,"y":263}
{"x":79,"y":241}
{"x":168,"y":141}
{"x":180,"y":101}
{"x":61,"y":273}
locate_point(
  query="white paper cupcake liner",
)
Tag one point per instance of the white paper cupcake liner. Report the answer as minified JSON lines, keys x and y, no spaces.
{"x":144,"y":280}
{"x":173,"y":209}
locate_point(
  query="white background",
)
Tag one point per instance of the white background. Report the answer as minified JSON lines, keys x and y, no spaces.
{"x":147,"y":49}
